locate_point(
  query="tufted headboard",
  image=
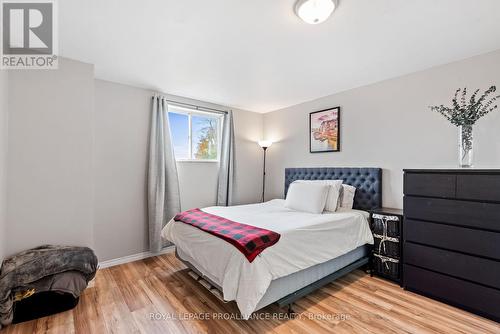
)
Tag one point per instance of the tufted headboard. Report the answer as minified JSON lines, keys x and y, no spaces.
{"x":368,"y":182}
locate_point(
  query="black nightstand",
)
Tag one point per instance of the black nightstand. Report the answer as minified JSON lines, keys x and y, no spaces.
{"x":387,"y":255}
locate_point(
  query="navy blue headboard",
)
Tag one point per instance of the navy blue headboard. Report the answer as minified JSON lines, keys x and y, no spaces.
{"x":368,"y":182}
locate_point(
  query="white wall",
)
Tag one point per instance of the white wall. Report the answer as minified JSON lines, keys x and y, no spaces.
{"x":122,"y":133}
{"x":122,"y":126}
{"x":3,"y":160}
{"x":50,"y":156}
{"x":389,"y":125}
{"x":248,"y":128}
{"x":78,"y":156}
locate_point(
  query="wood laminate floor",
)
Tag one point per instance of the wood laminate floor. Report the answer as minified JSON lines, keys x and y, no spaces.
{"x":125,"y":298}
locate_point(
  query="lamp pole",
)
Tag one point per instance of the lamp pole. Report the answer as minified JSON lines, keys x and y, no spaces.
{"x":264,"y":175}
{"x":265,"y":144}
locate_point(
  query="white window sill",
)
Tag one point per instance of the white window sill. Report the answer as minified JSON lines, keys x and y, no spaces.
{"x":197,"y":160}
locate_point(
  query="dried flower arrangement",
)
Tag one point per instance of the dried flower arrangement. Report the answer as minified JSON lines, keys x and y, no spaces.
{"x":465,"y":114}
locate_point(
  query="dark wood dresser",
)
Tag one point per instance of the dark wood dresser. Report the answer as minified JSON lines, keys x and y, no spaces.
{"x":451,"y":237}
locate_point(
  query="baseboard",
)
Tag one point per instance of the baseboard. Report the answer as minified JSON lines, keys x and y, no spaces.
{"x":133,"y":257}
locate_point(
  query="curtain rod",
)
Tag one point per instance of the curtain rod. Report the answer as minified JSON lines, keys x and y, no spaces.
{"x":193,"y":106}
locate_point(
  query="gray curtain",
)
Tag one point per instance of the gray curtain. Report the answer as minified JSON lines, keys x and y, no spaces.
{"x":163,"y":183}
{"x":226,"y":184}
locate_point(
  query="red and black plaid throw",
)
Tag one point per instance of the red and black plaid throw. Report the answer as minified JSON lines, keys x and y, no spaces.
{"x":249,"y":240}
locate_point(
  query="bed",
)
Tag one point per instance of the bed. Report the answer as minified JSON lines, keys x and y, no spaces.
{"x":314,"y":249}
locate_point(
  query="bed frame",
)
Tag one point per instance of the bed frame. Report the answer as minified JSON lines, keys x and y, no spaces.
{"x":368,"y":183}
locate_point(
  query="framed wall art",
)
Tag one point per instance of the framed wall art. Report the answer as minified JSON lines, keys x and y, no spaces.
{"x":324,"y":130}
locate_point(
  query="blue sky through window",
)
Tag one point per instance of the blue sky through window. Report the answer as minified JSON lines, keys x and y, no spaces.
{"x":179,"y":126}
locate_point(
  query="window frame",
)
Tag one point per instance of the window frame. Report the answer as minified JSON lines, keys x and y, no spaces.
{"x":190,"y":112}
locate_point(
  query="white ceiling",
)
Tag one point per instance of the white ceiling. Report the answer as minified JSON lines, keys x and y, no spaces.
{"x":257,"y":55}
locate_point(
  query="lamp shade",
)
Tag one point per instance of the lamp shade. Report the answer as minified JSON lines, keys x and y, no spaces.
{"x":315,"y":11}
{"x":265,"y":143}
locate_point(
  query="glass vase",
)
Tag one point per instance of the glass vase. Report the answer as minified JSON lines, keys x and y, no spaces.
{"x":465,"y":146}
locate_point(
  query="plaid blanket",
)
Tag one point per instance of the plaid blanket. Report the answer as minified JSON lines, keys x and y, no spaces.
{"x":249,"y":240}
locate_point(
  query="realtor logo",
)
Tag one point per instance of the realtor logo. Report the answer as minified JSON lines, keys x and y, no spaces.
{"x":29,"y":39}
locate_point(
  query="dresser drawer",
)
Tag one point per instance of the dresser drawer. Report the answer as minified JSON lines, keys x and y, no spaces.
{"x":475,"y":242}
{"x":468,"y":267}
{"x":469,"y":214}
{"x":432,"y":185}
{"x":479,"y":187}
{"x":472,"y":297}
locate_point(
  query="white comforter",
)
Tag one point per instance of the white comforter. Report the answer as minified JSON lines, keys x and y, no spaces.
{"x":306,"y":240}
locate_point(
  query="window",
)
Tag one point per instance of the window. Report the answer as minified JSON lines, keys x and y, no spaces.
{"x":195,"y":135}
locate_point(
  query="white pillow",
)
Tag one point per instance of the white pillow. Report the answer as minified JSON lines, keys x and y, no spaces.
{"x":347,"y":196}
{"x":307,"y":197}
{"x":334,"y":190}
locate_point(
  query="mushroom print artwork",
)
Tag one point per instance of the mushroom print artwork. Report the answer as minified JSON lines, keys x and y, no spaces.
{"x":324,"y":127}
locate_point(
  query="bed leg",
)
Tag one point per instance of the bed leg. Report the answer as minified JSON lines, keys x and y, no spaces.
{"x":290,"y":311}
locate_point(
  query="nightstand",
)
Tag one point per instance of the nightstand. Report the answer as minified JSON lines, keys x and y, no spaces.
{"x":387,"y":254}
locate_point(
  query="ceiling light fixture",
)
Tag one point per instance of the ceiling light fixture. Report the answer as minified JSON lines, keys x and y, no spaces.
{"x":315,"y":11}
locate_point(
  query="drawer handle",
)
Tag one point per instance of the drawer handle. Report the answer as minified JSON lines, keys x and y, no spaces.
{"x":385,"y":260}
{"x":385,"y":218}
{"x":391,"y":239}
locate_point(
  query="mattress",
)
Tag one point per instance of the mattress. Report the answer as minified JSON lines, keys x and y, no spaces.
{"x":306,"y":240}
{"x":284,"y":286}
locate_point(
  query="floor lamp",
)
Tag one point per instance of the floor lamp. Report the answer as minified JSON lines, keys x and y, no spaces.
{"x":265,"y":144}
